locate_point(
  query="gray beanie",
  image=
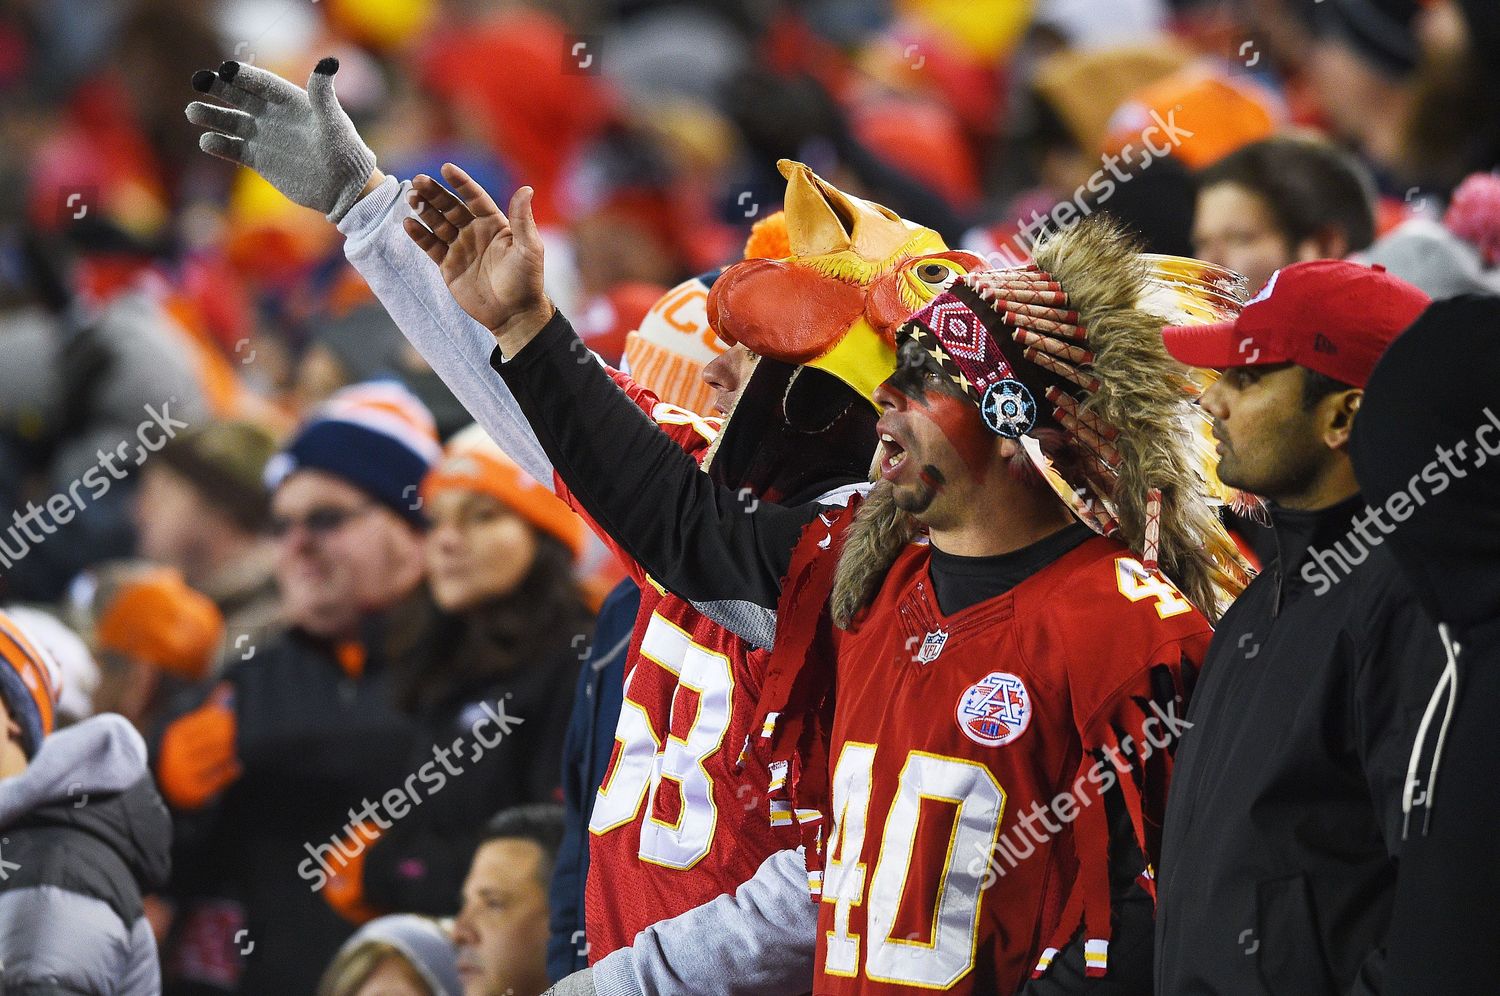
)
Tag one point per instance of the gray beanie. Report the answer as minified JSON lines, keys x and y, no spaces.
{"x":425,"y":945}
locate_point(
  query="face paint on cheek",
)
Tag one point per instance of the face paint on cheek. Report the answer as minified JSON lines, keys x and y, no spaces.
{"x":959,"y":422}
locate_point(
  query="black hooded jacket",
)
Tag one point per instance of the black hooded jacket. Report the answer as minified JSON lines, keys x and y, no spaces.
{"x":1284,"y":818}
{"x":1430,"y":427}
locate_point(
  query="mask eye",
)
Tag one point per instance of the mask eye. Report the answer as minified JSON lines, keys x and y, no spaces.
{"x":934,"y":274}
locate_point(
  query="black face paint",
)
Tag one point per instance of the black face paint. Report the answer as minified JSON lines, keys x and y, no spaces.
{"x":917,"y":372}
{"x":932,"y":477}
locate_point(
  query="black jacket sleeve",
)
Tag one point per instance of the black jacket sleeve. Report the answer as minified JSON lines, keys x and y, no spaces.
{"x":695,"y":537}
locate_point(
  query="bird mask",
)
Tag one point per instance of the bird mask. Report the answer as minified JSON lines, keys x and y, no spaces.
{"x":823,"y":322}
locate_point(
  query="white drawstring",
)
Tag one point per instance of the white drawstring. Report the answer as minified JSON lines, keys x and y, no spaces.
{"x":1447,"y":682}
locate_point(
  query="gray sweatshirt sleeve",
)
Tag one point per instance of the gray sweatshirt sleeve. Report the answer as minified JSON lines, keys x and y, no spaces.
{"x":458,"y":348}
{"x":757,"y":942}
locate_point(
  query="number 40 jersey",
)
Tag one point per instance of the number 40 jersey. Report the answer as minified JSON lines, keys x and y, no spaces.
{"x":676,"y":822}
{"x":969,"y":757}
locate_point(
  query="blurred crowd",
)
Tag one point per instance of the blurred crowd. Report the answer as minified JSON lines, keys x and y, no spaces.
{"x":240,"y":512}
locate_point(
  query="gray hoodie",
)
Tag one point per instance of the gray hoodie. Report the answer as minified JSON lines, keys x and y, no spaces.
{"x":84,"y":833}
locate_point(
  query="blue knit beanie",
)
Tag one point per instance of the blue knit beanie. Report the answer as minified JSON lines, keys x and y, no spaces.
{"x":377,"y":436}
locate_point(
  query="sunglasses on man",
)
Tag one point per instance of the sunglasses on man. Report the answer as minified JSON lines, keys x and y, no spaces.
{"x":320,"y":523}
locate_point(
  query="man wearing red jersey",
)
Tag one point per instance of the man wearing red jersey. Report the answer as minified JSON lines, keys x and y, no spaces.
{"x":998,"y":687}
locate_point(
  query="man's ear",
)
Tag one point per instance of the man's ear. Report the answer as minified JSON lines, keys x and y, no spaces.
{"x":1008,"y":448}
{"x":13,"y":729}
{"x":1337,"y":413}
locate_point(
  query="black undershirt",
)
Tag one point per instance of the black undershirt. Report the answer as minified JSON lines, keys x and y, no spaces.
{"x":959,"y":582}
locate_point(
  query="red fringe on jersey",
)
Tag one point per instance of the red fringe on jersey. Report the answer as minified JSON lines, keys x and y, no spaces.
{"x":794,"y":715}
{"x":1160,"y":694}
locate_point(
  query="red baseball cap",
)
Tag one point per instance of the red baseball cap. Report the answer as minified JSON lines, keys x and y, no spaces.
{"x":1328,"y":315}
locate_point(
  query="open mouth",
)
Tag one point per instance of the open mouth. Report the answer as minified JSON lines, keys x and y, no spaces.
{"x":892,"y":455}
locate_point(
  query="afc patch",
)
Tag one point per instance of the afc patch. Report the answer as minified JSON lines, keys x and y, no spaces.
{"x":994,"y":710}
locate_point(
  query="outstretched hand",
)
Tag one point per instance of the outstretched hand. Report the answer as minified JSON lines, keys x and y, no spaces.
{"x":300,"y":141}
{"x":491,"y":263}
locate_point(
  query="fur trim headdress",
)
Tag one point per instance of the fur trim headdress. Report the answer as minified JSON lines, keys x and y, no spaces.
{"x":1072,"y":343}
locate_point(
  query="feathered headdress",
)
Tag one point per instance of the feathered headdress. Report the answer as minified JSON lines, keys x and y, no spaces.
{"x":1072,"y":343}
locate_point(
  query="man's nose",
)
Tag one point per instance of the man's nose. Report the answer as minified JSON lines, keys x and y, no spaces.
{"x":715,"y":373}
{"x":1214,"y":400}
{"x":463,"y":932}
{"x":887,"y":397}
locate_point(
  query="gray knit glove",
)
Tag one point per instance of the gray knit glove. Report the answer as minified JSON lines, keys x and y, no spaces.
{"x":300,"y":141}
{"x":577,"y":984}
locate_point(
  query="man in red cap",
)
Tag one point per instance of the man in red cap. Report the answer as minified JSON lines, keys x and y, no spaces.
{"x":1284,"y":819}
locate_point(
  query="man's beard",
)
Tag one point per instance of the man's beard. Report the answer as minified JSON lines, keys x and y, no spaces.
{"x":1283,"y":476}
{"x":880,"y":530}
{"x":918,"y":498}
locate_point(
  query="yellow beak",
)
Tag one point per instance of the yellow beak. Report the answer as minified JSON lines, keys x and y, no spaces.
{"x":844,"y":236}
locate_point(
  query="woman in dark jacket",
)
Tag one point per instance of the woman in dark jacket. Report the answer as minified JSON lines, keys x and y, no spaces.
{"x":489,"y":675}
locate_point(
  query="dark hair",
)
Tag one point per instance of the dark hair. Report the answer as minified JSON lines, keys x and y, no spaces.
{"x":442,"y":657}
{"x":1307,"y":184}
{"x":539,"y":822}
{"x":1317,"y":386}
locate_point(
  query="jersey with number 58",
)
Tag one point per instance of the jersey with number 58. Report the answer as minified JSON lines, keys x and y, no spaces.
{"x":675,"y":823}
{"x":970,"y":755}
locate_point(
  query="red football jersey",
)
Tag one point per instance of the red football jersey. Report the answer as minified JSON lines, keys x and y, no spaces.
{"x":675,"y":824}
{"x":966,"y":826}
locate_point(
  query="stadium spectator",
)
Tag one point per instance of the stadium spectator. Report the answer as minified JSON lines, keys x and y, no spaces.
{"x":504,"y":640}
{"x":80,"y":671}
{"x":360,"y":344}
{"x":136,"y":271}
{"x":302,"y":733}
{"x":1430,"y":395}
{"x":501,"y":931}
{"x":675,"y":352}
{"x":103,"y":385}
{"x":400,"y":955}
{"x":203,"y":510}
{"x":85,"y":834}
{"x":1459,"y":254}
{"x":1282,"y":200}
{"x":1279,"y":852}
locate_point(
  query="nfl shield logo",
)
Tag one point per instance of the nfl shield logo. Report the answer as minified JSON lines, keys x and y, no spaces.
{"x":994,"y":710}
{"x":932,"y":645}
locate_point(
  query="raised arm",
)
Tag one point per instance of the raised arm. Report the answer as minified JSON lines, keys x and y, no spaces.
{"x":701,"y":540}
{"x":304,"y":145}
{"x":456,"y":347}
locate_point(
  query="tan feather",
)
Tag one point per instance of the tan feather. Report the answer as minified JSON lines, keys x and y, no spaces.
{"x":1140,"y":390}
